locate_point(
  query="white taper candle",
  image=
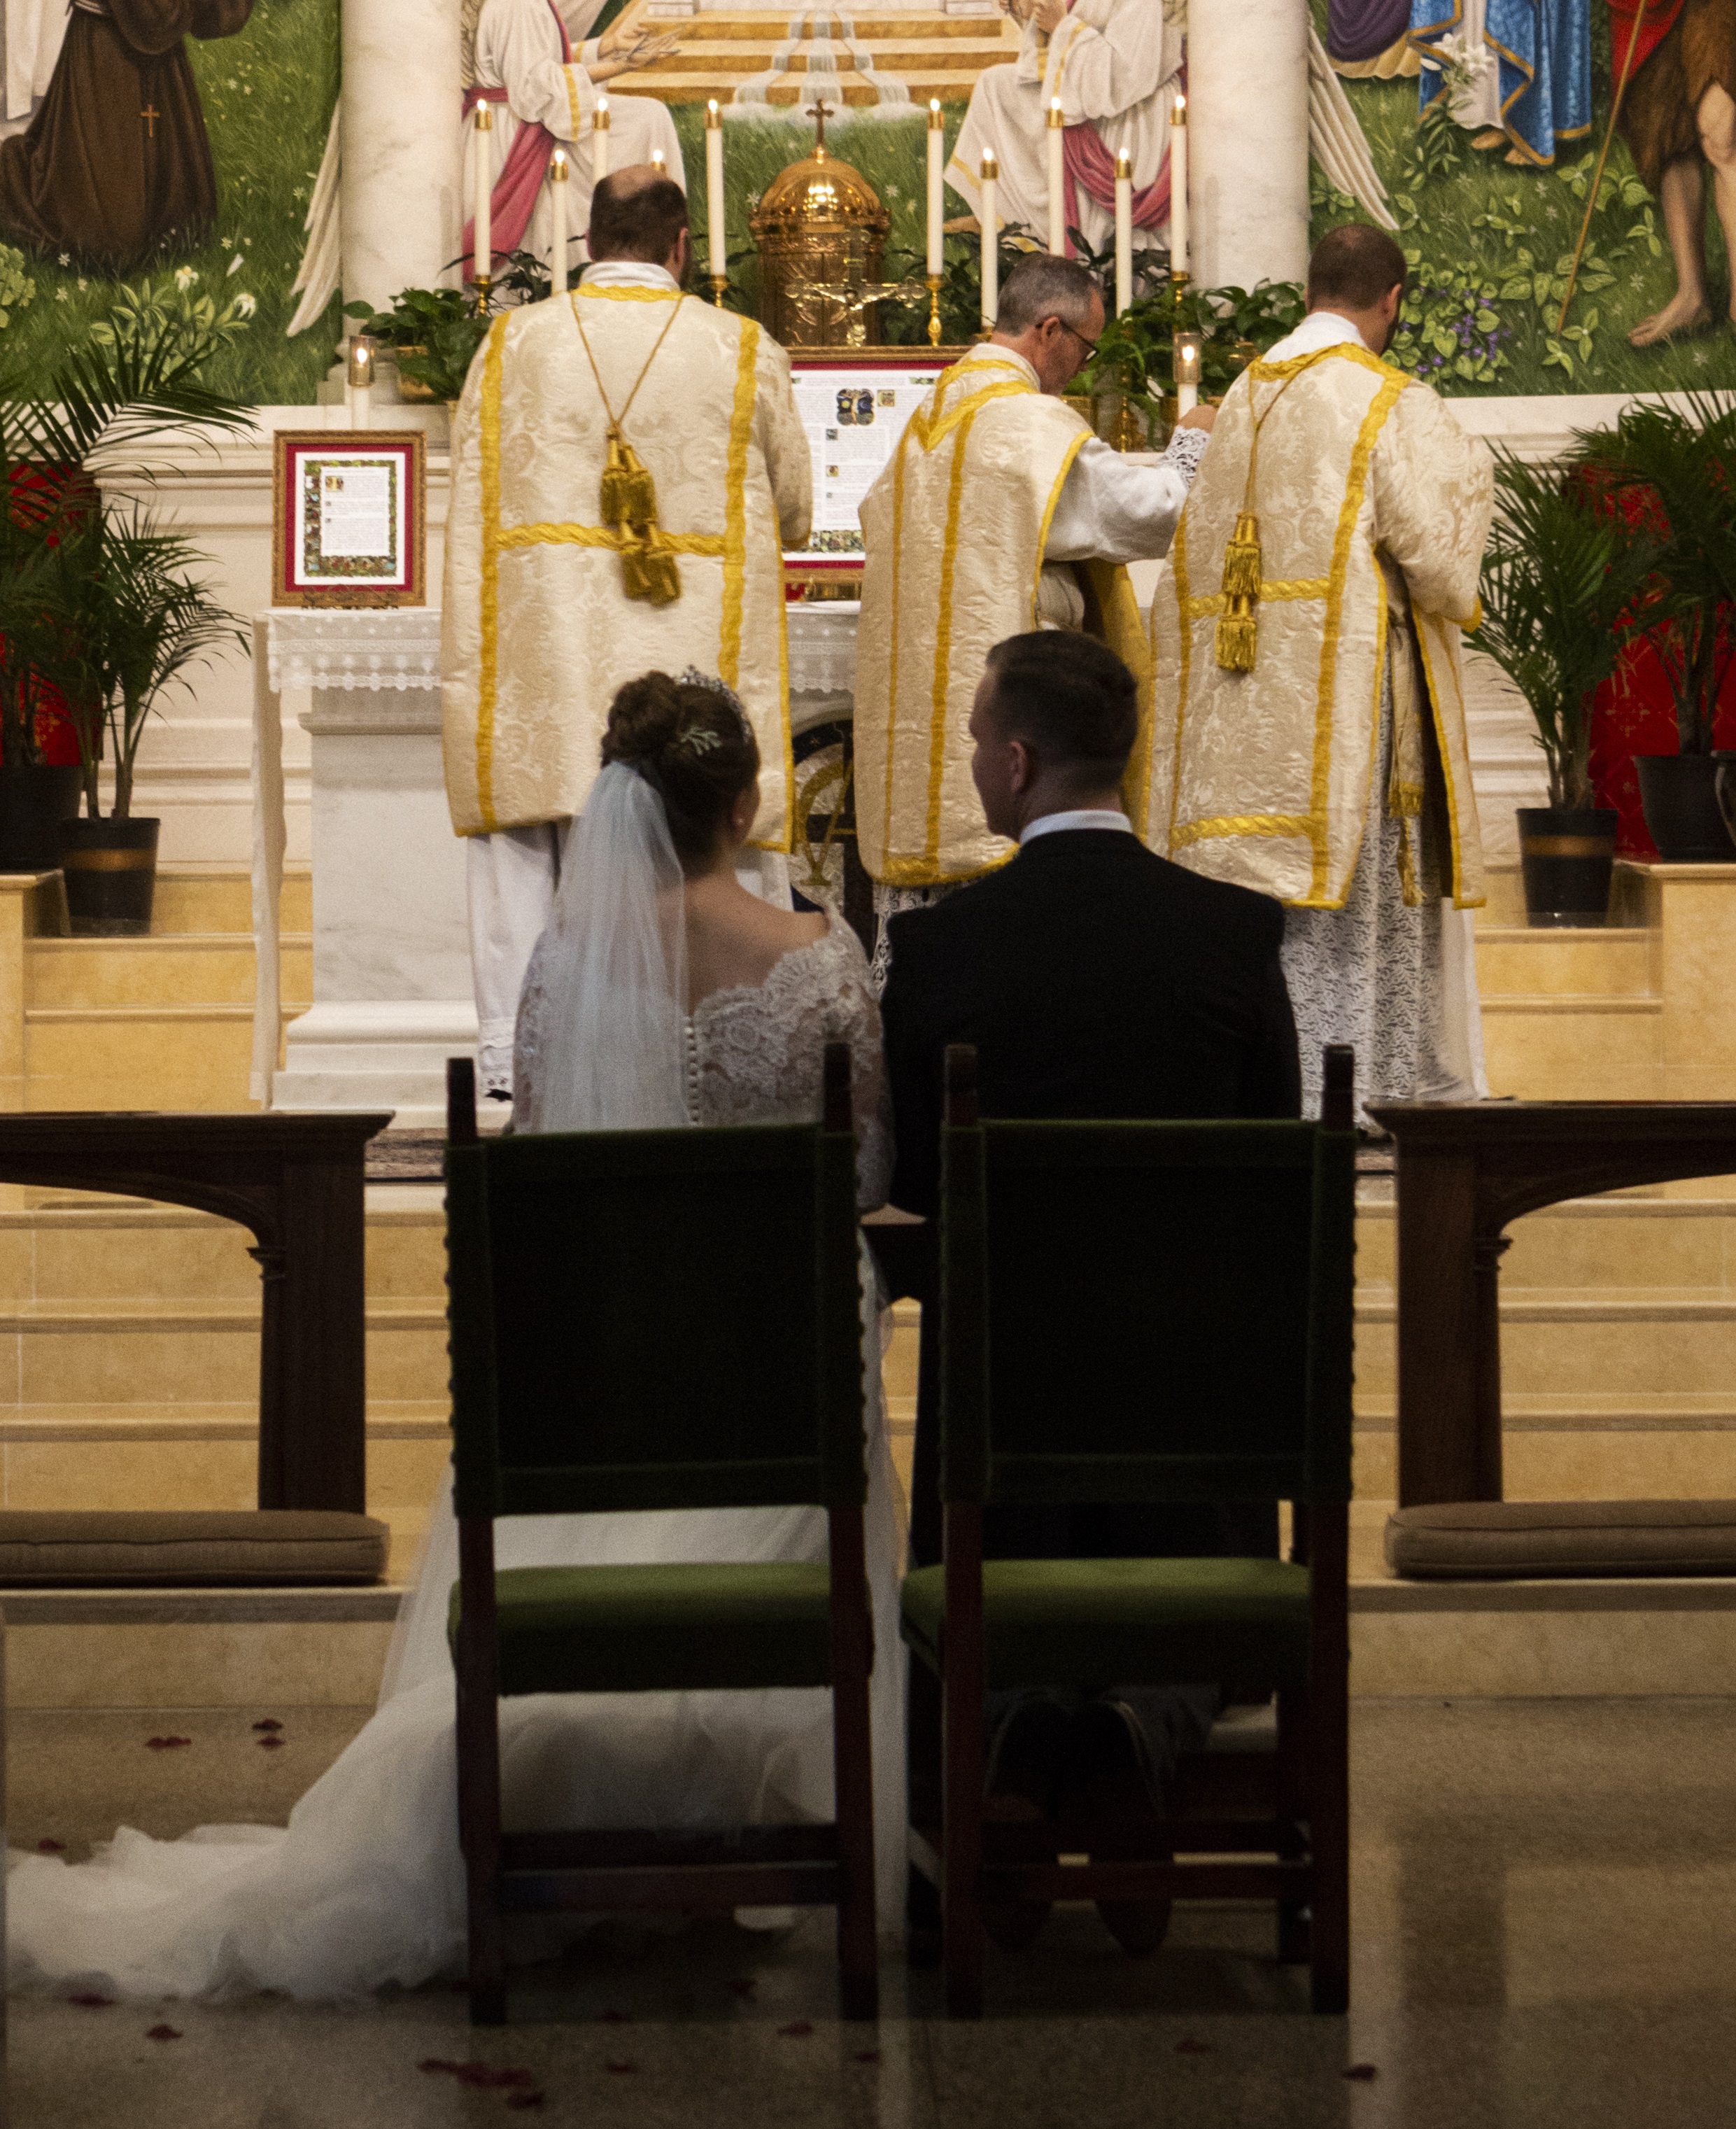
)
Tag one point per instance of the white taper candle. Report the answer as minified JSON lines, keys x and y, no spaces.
{"x":1123,"y":231}
{"x":991,"y":222}
{"x":936,"y":195}
{"x":1178,"y":185}
{"x":1057,"y":177}
{"x":481,"y":248}
{"x":358,"y":390}
{"x":600,"y":140}
{"x":717,"y":243}
{"x":1189,"y":347}
{"x":558,"y":183}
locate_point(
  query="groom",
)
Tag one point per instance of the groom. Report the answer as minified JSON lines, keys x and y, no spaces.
{"x":1095,"y":979}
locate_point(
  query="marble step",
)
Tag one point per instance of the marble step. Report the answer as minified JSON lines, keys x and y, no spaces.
{"x":770,"y":26}
{"x":899,"y":55}
{"x":930,"y":80}
{"x":216,"y":897}
{"x":1514,"y":961}
{"x":188,"y":968}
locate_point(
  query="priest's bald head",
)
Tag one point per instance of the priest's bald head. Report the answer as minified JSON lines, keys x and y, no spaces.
{"x":1358,"y":274}
{"x":641,"y":213}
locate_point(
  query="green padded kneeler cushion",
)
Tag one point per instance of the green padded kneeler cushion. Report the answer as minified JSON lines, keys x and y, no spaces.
{"x":661,"y":1629}
{"x":1101,"y":1622}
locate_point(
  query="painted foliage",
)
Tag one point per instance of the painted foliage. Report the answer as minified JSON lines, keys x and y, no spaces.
{"x":1487,"y":121}
{"x":159,"y":139}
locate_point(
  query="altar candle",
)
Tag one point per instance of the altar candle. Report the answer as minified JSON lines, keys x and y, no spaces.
{"x":1178,"y":185}
{"x":936,"y":197}
{"x":714,"y":191}
{"x":482,"y":246}
{"x":359,"y":389}
{"x":657,"y":163}
{"x":1057,"y":170}
{"x":1189,"y":347}
{"x":558,"y":183}
{"x":990,"y":242}
{"x":600,"y":140}
{"x":1123,"y":231}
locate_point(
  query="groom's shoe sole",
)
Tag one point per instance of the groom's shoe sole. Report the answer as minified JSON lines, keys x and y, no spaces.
{"x":1109,"y":1778}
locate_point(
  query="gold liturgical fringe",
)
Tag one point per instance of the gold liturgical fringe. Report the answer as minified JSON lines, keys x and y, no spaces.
{"x":648,"y":565}
{"x":1237,"y":638}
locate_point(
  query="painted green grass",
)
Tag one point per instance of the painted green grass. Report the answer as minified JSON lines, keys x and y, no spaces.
{"x":268,"y":95}
{"x":1473,"y":222}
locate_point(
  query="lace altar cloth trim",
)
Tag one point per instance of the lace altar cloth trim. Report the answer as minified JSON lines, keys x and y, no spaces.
{"x":823,"y":649}
{"x":389,"y":647}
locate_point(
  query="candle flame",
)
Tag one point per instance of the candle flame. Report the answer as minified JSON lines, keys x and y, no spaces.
{"x":484,"y":118}
{"x":1124,"y":164}
{"x":657,"y":163}
{"x":990,"y":167}
{"x":934,"y":111}
{"x":599,"y":116}
{"x":1179,"y":115}
{"x":558,"y":169}
{"x":713,"y":113}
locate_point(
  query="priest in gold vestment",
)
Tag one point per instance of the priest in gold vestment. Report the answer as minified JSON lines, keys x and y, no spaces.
{"x":999,"y":511}
{"x":561,"y":585}
{"x":1309,"y":734}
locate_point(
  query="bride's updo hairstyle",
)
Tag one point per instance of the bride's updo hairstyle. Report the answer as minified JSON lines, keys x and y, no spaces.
{"x":690,"y":741}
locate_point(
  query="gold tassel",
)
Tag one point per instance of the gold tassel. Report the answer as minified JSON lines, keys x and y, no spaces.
{"x":1242,"y":560}
{"x":628,"y":496}
{"x":648,"y":568}
{"x":1237,"y":635}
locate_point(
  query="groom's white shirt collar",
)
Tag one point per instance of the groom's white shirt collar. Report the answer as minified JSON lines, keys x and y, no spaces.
{"x":1319,"y":329}
{"x":1082,"y":817}
{"x":629,"y":274}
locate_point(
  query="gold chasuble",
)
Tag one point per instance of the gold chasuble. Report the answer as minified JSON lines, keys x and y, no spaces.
{"x":549,"y":605}
{"x":954,"y":529}
{"x":1347,"y":544}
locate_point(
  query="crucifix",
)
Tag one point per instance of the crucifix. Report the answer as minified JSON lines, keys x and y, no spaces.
{"x":151,"y":115}
{"x":819,"y":110}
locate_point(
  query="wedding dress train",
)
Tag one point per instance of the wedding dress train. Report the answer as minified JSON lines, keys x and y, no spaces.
{"x":365,"y":1885}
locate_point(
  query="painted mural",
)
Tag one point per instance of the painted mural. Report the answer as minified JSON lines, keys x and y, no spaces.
{"x":1489,"y":123}
{"x":166,"y":151}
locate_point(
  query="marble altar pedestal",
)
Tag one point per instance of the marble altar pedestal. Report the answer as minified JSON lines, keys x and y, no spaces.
{"x":392,"y":992}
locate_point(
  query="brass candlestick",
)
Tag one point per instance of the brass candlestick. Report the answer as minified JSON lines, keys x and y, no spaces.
{"x":934,"y":310}
{"x":1179,"y":279}
{"x":482,"y":284}
{"x":720,"y":284}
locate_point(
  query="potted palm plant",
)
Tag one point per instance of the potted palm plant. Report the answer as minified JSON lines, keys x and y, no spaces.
{"x":139,"y":373}
{"x":1560,"y":570}
{"x":133,"y":619}
{"x":36,"y":795}
{"x":1671,"y":472}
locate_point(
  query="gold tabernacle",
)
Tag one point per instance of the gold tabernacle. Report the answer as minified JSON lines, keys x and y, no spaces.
{"x":820,"y":222}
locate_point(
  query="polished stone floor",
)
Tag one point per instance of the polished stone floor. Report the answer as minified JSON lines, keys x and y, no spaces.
{"x":1545,"y":1931}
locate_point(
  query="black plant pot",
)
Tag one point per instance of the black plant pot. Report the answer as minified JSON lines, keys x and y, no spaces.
{"x":1726,"y":786}
{"x":1567,"y":854}
{"x":111,"y":868}
{"x":37,"y":800}
{"x":1680,"y":794}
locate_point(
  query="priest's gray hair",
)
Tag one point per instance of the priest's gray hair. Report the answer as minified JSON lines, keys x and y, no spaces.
{"x":1043,"y":285}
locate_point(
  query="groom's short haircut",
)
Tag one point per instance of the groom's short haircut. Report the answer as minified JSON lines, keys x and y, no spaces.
{"x":1068,"y":697}
{"x":1045,"y":286}
{"x":1355,"y":264}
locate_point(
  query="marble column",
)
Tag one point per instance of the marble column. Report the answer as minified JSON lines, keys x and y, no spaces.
{"x":1248,"y":166}
{"x":402,"y":100}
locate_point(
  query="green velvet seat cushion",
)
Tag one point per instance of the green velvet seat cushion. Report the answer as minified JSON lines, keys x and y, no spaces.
{"x":658,"y":1629}
{"x":1099,"y":1622}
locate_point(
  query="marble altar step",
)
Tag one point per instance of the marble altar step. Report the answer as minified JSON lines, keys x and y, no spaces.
{"x":164,"y":1021}
{"x":931,"y":54}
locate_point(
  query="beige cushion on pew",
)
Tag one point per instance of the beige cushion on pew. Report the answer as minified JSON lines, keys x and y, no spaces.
{"x":1466,"y":1539}
{"x":231,"y":1549}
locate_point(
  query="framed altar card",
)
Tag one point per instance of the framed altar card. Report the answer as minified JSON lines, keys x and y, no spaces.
{"x":853,"y":403}
{"x":349,"y":517}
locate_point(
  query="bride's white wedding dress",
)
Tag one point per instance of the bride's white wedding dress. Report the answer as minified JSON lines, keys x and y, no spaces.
{"x":365,"y":1886}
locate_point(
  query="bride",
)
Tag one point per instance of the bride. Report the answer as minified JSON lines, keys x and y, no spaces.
{"x":661,"y":992}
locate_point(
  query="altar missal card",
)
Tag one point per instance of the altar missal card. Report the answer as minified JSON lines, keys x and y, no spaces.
{"x":853,"y":404}
{"x":349,"y":517}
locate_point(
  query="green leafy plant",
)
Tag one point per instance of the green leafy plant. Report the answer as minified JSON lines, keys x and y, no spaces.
{"x":17,"y":287}
{"x":1561,"y":571}
{"x":126,"y":618}
{"x":905,"y":325}
{"x":438,"y":331}
{"x":1669,"y":473}
{"x":1135,"y":356}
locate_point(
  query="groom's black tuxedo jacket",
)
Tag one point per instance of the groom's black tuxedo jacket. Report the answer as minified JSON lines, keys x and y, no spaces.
{"x":1095,"y":979}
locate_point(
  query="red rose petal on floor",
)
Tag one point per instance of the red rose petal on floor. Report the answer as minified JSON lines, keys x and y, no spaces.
{"x":1188,"y":2046}
{"x":162,"y":2033}
{"x":617,"y":2018}
{"x":165,"y":1744}
{"x":92,"y":2002}
{"x":270,"y":1744}
{"x":798,"y":2029}
{"x":620,"y":2069}
{"x":866,"y":2054}
{"x":523,"y":2099}
{"x":480,"y":2073}
{"x":1362,"y":2071}
{"x":50,"y":1847}
{"x":267,"y":1724}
